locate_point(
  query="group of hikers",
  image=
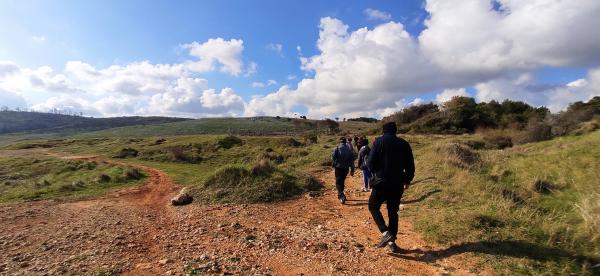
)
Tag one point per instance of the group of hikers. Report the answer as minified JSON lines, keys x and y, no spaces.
{"x":387,"y":168}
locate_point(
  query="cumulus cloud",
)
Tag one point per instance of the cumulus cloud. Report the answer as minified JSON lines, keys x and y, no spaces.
{"x":373,"y":14}
{"x":226,"y":55}
{"x":257,"y":84}
{"x":523,"y":87}
{"x":11,"y":100}
{"x":448,"y":94}
{"x":370,"y":71}
{"x":464,"y":44}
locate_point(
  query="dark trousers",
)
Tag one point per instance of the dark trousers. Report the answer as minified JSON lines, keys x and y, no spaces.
{"x":392,"y":199}
{"x":340,"y":177}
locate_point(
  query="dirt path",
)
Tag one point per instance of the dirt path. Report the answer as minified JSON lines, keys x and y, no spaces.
{"x":134,"y":231}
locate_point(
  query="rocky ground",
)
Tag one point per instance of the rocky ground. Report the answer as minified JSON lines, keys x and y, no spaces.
{"x":135,"y":231}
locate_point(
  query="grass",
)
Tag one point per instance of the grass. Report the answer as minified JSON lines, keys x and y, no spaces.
{"x":528,"y":209}
{"x":35,"y":178}
{"x":497,"y":210}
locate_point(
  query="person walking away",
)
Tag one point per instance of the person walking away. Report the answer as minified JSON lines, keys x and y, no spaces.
{"x":392,"y":164}
{"x":343,"y":161}
{"x":363,"y":157}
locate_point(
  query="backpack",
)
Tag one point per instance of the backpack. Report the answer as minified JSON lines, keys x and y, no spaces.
{"x":365,"y":157}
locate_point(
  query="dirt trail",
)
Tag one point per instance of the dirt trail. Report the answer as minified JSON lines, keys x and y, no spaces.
{"x":134,"y":231}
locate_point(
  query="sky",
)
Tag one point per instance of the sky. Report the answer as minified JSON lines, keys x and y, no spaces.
{"x":322,"y":59}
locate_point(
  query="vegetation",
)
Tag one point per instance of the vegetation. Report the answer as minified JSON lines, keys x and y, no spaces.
{"x":520,"y":122}
{"x":34,"y":178}
{"x":37,"y":122}
{"x":531,"y":209}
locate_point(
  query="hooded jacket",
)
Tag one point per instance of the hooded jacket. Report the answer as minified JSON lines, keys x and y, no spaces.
{"x":391,"y":158}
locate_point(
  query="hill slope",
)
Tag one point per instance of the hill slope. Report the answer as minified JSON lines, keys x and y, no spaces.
{"x":35,"y":122}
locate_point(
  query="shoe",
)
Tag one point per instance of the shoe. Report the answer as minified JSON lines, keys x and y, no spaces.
{"x":393,"y":248}
{"x":385,"y":238}
{"x":343,"y":199}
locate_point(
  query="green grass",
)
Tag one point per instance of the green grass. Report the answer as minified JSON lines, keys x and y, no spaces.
{"x":34,"y":178}
{"x":240,"y":126}
{"x":496,"y":212}
{"x":489,"y":208}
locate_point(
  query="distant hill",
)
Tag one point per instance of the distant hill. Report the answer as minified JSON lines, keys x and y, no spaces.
{"x":38,"y":123}
{"x":239,"y":126}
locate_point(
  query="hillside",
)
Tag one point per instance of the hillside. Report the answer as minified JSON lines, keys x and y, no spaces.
{"x":255,"y":126}
{"x":36,"y":122}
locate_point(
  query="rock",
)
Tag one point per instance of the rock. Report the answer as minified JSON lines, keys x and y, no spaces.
{"x":182,"y":198}
{"x":164,"y":261}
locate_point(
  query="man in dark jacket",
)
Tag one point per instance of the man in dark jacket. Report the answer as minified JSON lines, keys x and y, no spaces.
{"x":343,"y":161}
{"x":391,"y":160}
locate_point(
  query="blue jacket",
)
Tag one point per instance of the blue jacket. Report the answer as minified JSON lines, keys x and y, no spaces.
{"x":391,"y":158}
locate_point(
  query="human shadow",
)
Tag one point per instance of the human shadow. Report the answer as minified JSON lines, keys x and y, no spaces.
{"x":423,"y":180}
{"x":510,"y":248}
{"x":356,"y":202}
{"x":421,"y":198}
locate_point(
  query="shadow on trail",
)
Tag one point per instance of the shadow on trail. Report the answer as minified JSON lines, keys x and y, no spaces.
{"x":509,"y":248}
{"x":423,"y":180}
{"x":356,"y":202}
{"x":421,"y":198}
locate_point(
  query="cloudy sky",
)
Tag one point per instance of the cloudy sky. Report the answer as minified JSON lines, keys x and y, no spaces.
{"x":316,"y":58}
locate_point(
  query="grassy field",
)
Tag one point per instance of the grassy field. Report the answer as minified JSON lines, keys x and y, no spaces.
{"x":532,"y":209}
{"x":35,"y":178}
{"x":529,"y":209}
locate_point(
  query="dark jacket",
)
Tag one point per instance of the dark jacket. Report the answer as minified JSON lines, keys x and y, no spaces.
{"x":342,"y":157}
{"x":363,"y":155}
{"x":391,"y":158}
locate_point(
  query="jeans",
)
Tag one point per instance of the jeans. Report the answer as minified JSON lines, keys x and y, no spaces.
{"x":366,"y":176}
{"x":340,"y":177}
{"x":392,"y":199}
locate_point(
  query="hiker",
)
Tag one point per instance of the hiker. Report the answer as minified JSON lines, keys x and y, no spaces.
{"x":363,"y":157}
{"x":392,"y":166}
{"x":357,"y":142}
{"x":342,"y":162}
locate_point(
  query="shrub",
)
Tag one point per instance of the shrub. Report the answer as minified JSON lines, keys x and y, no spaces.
{"x":126,"y":152}
{"x":272,"y":156}
{"x":542,"y":186}
{"x":311,"y":138}
{"x":133,"y":173}
{"x":534,"y":132}
{"x":263,"y":167}
{"x":236,"y":183}
{"x":103,"y":178}
{"x":182,"y":154}
{"x":291,"y":142}
{"x":460,"y":156}
{"x":229,"y":142}
{"x":497,"y":139}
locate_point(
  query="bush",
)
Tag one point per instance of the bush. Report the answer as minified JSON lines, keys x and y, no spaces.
{"x":229,"y":142}
{"x":460,"y":156}
{"x":534,"y":132}
{"x":126,"y":152}
{"x":291,"y":142}
{"x":542,"y":186}
{"x":133,"y":174}
{"x":311,"y":138}
{"x":497,"y":139}
{"x":263,"y":167}
{"x":103,"y":178}
{"x":236,"y":183}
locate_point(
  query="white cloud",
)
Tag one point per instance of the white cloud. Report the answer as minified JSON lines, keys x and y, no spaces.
{"x":291,"y":77}
{"x":276,"y":47}
{"x":11,"y":100}
{"x":362,"y":71}
{"x":38,"y":38}
{"x":373,"y":14}
{"x":257,"y":84}
{"x":448,"y":94}
{"x":523,"y":88}
{"x":226,"y":55}
{"x":271,"y":82}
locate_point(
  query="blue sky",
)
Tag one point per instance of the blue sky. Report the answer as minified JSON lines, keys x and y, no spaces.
{"x":107,"y":33}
